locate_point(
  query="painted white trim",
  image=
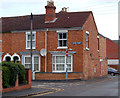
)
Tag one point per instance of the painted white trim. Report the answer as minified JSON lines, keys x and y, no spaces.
{"x":113,"y":61}
{"x":87,"y":32}
{"x":34,"y":32}
{"x":62,"y":47}
{"x":87,"y":48}
{"x":15,"y":54}
{"x":97,"y":36}
{"x":4,"y":58}
{"x":101,"y":60}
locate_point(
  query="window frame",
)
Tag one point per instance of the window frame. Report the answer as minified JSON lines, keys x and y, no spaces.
{"x":23,"y":61}
{"x":33,"y":40}
{"x":63,"y":39}
{"x":55,"y":71}
{"x":87,"y":41}
{"x":98,"y":45}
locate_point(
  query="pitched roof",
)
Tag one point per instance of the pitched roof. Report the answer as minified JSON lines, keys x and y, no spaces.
{"x":64,"y":20}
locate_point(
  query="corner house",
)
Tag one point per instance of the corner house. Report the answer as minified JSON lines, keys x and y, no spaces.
{"x":55,"y":33}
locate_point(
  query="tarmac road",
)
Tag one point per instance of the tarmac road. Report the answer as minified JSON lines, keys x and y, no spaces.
{"x":105,"y":87}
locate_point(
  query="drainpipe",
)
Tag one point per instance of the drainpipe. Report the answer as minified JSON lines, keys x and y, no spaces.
{"x":46,"y":50}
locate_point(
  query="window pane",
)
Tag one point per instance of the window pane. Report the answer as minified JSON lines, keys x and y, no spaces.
{"x":53,"y":67}
{"x":60,"y":35}
{"x":60,"y":67}
{"x":69,"y":59}
{"x":28,"y":44}
{"x":60,"y":43}
{"x":69,"y":67}
{"x":53,"y":59}
{"x":64,"y":42}
{"x":64,"y":35}
{"x":36,"y":67}
{"x":29,"y":37}
{"x":98,"y":43}
{"x":60,"y":59}
{"x":33,"y":44}
{"x":87,"y":44}
{"x":36,"y":60}
{"x":87,"y":40}
{"x":27,"y":59}
{"x":86,"y":37}
{"x":27,"y":65}
{"x":33,"y":37}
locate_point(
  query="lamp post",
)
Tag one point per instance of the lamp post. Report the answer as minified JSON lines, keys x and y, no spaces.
{"x":66,"y":63}
{"x":31,"y":28}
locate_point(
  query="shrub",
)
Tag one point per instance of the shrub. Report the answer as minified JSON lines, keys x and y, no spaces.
{"x":21,"y":73}
{"x":13,"y":72}
{"x":5,"y":76}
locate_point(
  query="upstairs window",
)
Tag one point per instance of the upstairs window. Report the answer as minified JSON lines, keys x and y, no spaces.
{"x":97,"y":43}
{"x":62,"y":39}
{"x":87,"y":40}
{"x":28,"y":40}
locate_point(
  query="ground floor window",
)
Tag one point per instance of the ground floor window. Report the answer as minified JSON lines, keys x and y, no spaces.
{"x":59,"y":62}
{"x":35,"y":61}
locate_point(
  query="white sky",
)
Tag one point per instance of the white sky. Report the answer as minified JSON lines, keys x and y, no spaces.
{"x":105,"y":11}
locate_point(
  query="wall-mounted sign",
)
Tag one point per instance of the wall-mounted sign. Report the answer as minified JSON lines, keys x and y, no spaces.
{"x":76,"y":42}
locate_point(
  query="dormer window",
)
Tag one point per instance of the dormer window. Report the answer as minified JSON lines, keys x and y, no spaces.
{"x":62,"y":39}
{"x":28,"y":40}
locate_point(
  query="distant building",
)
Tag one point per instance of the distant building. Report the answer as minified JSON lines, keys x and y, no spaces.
{"x":112,"y":53}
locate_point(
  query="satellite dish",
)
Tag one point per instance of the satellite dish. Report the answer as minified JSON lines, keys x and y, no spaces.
{"x":43,"y":52}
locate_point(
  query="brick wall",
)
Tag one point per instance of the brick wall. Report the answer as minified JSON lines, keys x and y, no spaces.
{"x":91,"y":64}
{"x":102,"y":53}
{"x":57,"y":76}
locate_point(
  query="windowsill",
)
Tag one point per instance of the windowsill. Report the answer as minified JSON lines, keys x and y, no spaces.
{"x":62,"y":47}
{"x":87,"y":48}
{"x":30,"y":48}
{"x":61,"y":71}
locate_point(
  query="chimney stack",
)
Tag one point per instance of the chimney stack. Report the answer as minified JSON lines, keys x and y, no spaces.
{"x":64,"y":10}
{"x":50,"y":11}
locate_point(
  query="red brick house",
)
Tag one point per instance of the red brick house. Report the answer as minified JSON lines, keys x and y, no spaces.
{"x":56,"y":32}
{"x":112,"y":53}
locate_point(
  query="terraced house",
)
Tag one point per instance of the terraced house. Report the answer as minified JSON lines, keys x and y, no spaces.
{"x":56,"y":32}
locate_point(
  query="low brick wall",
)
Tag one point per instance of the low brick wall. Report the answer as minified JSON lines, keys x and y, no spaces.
{"x":20,"y":87}
{"x":57,"y":76}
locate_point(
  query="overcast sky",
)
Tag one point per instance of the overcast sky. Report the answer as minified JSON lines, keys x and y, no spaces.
{"x":105,"y":11}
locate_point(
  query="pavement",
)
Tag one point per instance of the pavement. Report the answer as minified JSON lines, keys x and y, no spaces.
{"x":47,"y":87}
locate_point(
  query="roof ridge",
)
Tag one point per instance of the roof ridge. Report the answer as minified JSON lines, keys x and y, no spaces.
{"x":44,"y":14}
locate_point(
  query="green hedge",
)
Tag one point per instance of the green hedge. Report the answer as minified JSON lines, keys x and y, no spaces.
{"x":21,"y":73}
{"x":5,"y":76}
{"x":14,"y":69}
